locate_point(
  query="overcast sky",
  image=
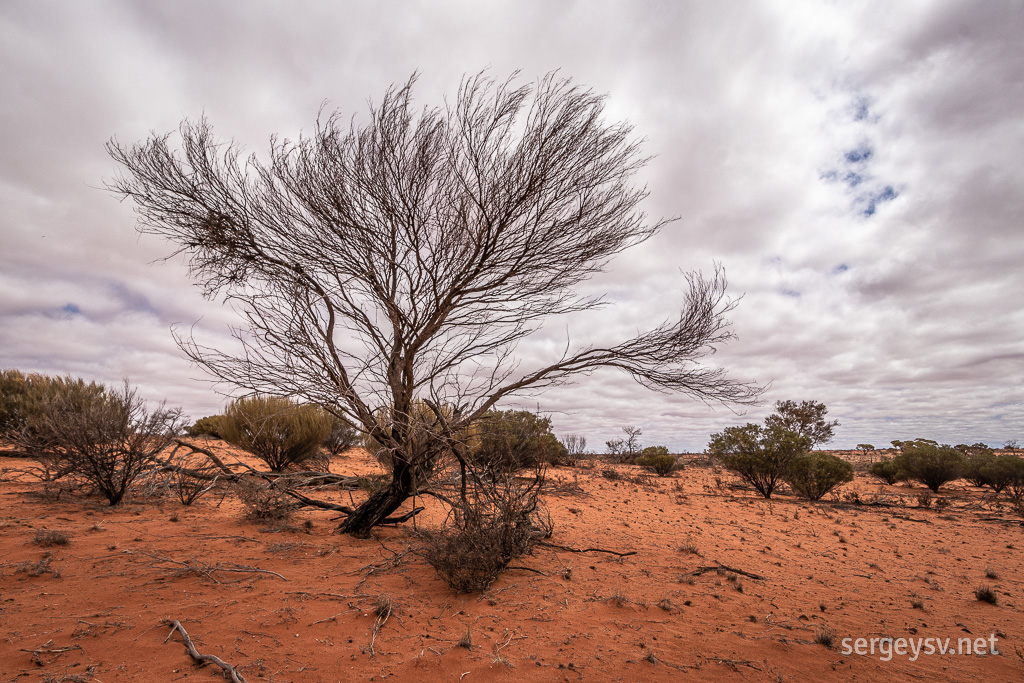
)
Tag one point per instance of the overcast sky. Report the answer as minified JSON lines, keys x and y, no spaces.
{"x":856,"y":168}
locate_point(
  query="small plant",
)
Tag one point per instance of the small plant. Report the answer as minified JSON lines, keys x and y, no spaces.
{"x":991,"y":573}
{"x":924,"y":499}
{"x":48,"y":539}
{"x":661,"y":464}
{"x":986,"y":594}
{"x":814,"y":474}
{"x":931,"y":464}
{"x":611,"y":474}
{"x":210,"y":425}
{"x":689,"y":549}
{"x":275,"y":429}
{"x":619,"y":598}
{"x":942,"y":503}
{"x":263,"y":501}
{"x":760,"y":455}
{"x":888,"y":470}
{"x":466,"y":641}
{"x":825,"y":635}
{"x":666,"y":604}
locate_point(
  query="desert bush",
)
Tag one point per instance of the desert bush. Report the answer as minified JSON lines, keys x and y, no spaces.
{"x":760,"y":455}
{"x":986,"y":594}
{"x":275,"y":429}
{"x":211,"y":425}
{"x":627,"y":449}
{"x":812,"y":475}
{"x":47,"y":539}
{"x":889,"y":470}
{"x":494,"y":523}
{"x":511,"y":440}
{"x":263,"y":500}
{"x":575,"y":446}
{"x":661,"y":463}
{"x":98,"y":437}
{"x":931,"y":464}
{"x":341,"y":437}
{"x":13,"y":389}
{"x":1011,"y":469}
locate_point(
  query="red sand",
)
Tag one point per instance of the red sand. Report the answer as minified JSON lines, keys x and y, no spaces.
{"x":97,"y":610}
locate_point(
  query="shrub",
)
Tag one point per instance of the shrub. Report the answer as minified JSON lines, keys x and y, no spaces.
{"x":211,"y":425}
{"x":889,"y":470}
{"x":986,"y":594}
{"x":264,"y":501}
{"x":812,"y":475}
{"x":760,"y":455}
{"x":497,"y":522}
{"x":931,"y":464}
{"x":13,"y":389}
{"x":341,"y":437}
{"x":102,"y":438}
{"x":275,"y":429}
{"x":660,"y":463}
{"x":47,"y":539}
{"x":1011,"y":468}
{"x":511,"y":440}
{"x":806,"y":418}
{"x":575,"y":446}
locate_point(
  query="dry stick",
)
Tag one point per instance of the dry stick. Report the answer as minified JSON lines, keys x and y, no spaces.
{"x":201,"y":658}
{"x":585,"y":550}
{"x":201,"y":568}
{"x":384,"y":609}
{"x":45,"y":649}
{"x":323,"y":504}
{"x":704,"y":570}
{"x":526,"y":569}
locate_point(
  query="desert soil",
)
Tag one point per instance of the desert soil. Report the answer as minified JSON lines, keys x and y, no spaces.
{"x":99,"y":607}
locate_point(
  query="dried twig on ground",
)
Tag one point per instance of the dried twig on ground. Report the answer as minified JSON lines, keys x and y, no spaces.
{"x":585,"y":550}
{"x":48,"y":649}
{"x":724,"y":568}
{"x":229,"y":670}
{"x":193,"y":566}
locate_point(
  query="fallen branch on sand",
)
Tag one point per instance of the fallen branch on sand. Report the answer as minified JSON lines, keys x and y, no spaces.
{"x":229,"y":669}
{"x":48,"y":649}
{"x":585,"y":550}
{"x":201,"y":568}
{"x":724,"y":568}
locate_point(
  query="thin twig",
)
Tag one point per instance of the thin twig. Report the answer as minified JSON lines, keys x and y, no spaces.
{"x":585,"y":550}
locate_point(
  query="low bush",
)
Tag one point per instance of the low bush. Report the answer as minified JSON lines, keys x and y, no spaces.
{"x":341,"y":437}
{"x":931,"y":464}
{"x":813,"y":475}
{"x":511,"y":440}
{"x":760,"y":455}
{"x":661,"y":464}
{"x":263,"y":501}
{"x":211,"y":425}
{"x":47,"y":539}
{"x":497,"y":522}
{"x":94,"y":437}
{"x":275,"y":429}
{"x":888,"y":470}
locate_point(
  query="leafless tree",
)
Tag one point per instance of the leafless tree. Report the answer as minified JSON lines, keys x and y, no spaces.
{"x":401,"y":259}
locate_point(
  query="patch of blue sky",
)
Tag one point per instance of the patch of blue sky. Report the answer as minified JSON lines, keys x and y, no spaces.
{"x":859,"y":155}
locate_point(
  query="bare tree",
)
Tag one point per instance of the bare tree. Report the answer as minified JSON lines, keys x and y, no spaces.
{"x":403,"y":258}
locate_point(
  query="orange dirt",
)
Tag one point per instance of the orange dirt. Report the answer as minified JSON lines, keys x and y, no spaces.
{"x":98,"y":608}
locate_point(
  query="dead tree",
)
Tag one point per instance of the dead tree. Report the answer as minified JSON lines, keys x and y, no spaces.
{"x":398,"y":262}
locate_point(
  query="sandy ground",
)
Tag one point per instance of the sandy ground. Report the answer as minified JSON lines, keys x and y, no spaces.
{"x":98,"y":607}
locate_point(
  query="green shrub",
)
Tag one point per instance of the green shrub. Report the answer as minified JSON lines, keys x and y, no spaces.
{"x":760,"y":455}
{"x":275,"y":429}
{"x":341,"y":437}
{"x":814,"y":474}
{"x":658,"y":461}
{"x":13,"y":388}
{"x":511,"y":440}
{"x":889,"y":470}
{"x":930,"y":464}
{"x":211,"y":425}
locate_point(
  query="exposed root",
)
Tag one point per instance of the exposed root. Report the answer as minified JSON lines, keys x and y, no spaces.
{"x":229,"y":669}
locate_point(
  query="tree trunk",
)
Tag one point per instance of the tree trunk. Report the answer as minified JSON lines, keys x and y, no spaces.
{"x":377,"y":507}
